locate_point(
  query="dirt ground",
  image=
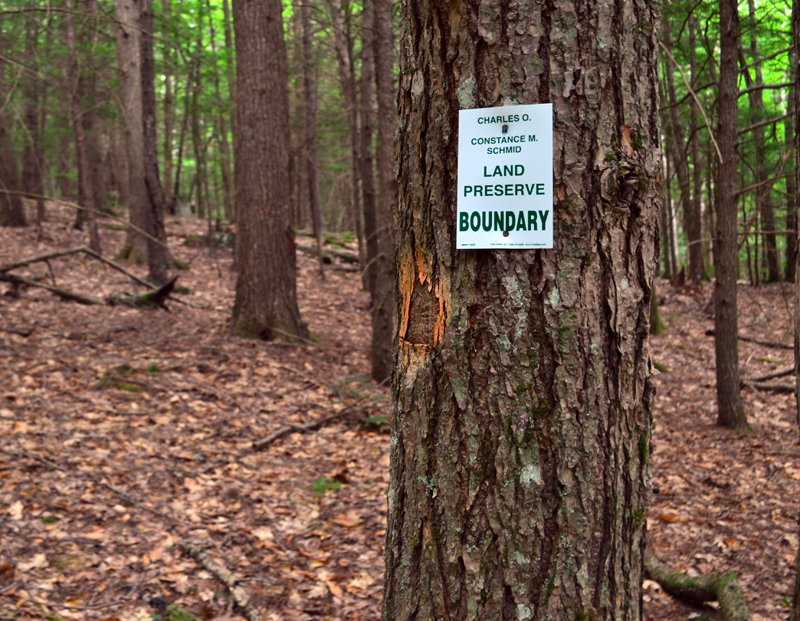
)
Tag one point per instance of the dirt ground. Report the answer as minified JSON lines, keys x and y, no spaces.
{"x":126,"y":445}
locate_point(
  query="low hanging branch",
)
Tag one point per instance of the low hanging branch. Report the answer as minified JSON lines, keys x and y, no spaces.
{"x":723,"y":588}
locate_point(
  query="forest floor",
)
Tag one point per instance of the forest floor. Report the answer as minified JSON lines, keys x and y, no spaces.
{"x":126,"y":445}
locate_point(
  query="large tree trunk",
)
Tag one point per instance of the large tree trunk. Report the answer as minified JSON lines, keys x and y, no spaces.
{"x":522,"y":400}
{"x":12,"y":212}
{"x":157,"y":256}
{"x":730,"y":412}
{"x":126,"y":14}
{"x":169,"y":112}
{"x":266,"y":289}
{"x":383,"y":301}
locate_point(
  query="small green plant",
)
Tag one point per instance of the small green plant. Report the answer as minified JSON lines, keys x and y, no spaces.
{"x":320,"y":486}
{"x":51,"y":519}
{"x":153,"y":368}
{"x":786,"y":603}
{"x":128,"y":387}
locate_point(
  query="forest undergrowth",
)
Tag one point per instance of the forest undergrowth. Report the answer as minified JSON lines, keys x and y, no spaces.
{"x":127,"y":446}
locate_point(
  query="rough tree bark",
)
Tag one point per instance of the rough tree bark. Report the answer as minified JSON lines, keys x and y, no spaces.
{"x":266,"y":289}
{"x":730,"y":412}
{"x":126,"y":15}
{"x":157,"y":256}
{"x":169,"y":111}
{"x":791,"y":180}
{"x":522,"y":399}
{"x":695,"y":235}
{"x":795,"y":612}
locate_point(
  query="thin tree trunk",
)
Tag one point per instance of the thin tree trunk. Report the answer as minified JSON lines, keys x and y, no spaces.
{"x":84,"y":181}
{"x":791,"y":180}
{"x":730,"y":412}
{"x":157,"y":256}
{"x":520,"y":469}
{"x":341,"y":18}
{"x":383,"y":302}
{"x":312,"y":164}
{"x":169,"y":110}
{"x":220,"y":126}
{"x":695,"y":235}
{"x":231,"y":77}
{"x":678,"y":146}
{"x":763,"y":170}
{"x":266,"y":289}
{"x":368,"y":195}
{"x":33,"y":155}
{"x":12,"y":213}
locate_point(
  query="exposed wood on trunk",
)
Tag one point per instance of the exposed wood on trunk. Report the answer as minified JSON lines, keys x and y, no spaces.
{"x":521,"y":394}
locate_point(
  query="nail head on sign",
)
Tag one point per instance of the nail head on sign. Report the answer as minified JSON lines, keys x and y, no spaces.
{"x":505,"y":129}
{"x":505,"y":233}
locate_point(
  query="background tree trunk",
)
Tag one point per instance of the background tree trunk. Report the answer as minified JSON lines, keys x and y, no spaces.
{"x":126,"y":14}
{"x":266,"y":290}
{"x":730,"y":412}
{"x":341,"y":18}
{"x":33,"y":155}
{"x":310,"y":133}
{"x":85,"y":188}
{"x":522,"y":400}
{"x":12,"y":212}
{"x":157,"y":256}
{"x":383,"y":301}
{"x":368,"y":197}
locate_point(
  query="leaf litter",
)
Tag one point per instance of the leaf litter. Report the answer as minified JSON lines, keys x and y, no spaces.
{"x":127,"y":435}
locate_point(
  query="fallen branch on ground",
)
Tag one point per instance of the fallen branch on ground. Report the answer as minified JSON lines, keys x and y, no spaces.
{"x":749,"y":339}
{"x":771,"y":386}
{"x":723,"y":588}
{"x":771,"y":376}
{"x":330,"y":254}
{"x":239,"y":595}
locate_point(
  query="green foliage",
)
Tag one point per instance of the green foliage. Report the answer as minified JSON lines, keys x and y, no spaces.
{"x":324,"y":484}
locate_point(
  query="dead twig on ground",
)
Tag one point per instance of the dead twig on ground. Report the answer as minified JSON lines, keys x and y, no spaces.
{"x":239,"y":595}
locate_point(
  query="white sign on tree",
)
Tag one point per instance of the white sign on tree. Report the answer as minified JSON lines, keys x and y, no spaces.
{"x":505,"y":177}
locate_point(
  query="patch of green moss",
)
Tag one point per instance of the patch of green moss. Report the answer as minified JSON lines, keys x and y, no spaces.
{"x":174,"y":612}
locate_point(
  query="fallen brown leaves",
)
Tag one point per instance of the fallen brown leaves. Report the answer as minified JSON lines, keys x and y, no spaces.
{"x":727,"y":500}
{"x":125,"y":434}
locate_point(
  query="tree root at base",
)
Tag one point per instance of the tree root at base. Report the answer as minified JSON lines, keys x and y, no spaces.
{"x":723,"y":588}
